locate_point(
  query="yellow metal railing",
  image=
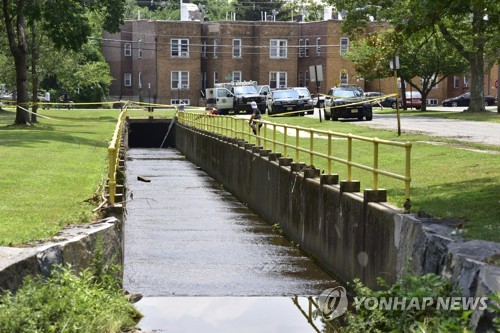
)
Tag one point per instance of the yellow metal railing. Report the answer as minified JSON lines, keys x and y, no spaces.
{"x":237,"y":127}
{"x":114,"y":154}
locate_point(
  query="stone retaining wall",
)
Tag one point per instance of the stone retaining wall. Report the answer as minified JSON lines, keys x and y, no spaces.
{"x":75,"y":245}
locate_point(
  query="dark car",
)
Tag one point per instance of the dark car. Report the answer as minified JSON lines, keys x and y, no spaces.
{"x":284,"y":100}
{"x":306,"y":97}
{"x":464,"y":100}
{"x":347,"y":102}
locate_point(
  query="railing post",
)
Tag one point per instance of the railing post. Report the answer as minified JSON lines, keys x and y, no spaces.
{"x":408,"y":170}
{"x":297,"y":143}
{"x":265,"y":135}
{"x":274,"y":137}
{"x":349,"y":157}
{"x":112,"y":174}
{"x":311,"y":146}
{"x":375,"y":163}
{"x":285,"y":141}
{"x":329,"y":153}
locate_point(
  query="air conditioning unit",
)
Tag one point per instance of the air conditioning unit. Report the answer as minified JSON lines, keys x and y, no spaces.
{"x":184,"y":54}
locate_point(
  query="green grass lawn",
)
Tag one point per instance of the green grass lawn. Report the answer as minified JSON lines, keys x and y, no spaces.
{"x":50,"y":171}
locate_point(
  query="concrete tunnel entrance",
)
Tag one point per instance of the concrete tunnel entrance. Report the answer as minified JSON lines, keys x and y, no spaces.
{"x":187,"y":241}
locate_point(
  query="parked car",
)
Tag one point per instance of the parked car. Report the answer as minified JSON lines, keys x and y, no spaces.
{"x":347,"y":102}
{"x":305,"y":95}
{"x":464,"y":100}
{"x":284,"y":100}
{"x":413,"y":99}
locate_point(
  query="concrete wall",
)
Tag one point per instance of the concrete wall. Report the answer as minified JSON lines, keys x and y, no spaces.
{"x":350,"y":237}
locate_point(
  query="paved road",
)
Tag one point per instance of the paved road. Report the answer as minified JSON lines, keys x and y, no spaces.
{"x":471,"y":131}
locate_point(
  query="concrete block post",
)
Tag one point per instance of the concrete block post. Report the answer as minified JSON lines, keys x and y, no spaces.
{"x":350,"y":186}
{"x":379,"y":195}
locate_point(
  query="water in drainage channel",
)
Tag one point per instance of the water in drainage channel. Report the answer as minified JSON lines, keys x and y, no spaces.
{"x":194,"y":251}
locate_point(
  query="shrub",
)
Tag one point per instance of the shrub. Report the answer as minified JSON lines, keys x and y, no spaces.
{"x":68,"y":302}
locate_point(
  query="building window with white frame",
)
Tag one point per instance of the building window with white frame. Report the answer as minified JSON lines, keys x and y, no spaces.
{"x":301,"y":81}
{"x":466,"y":82}
{"x":301,"y":48}
{"x":236,"y":76}
{"x":344,"y":77}
{"x":127,"y":50}
{"x":344,"y":45}
{"x":179,"y":47}
{"x":236,"y":48}
{"x":179,"y":80}
{"x":278,"y":48}
{"x":127,"y":80}
{"x":432,"y":102}
{"x":216,"y":47}
{"x":318,"y":47}
{"x":456,"y":82}
{"x":278,"y":79}
{"x":306,"y":78}
{"x":216,"y":77}
{"x":139,"y":81}
{"x":204,"y":49}
{"x":306,"y":48}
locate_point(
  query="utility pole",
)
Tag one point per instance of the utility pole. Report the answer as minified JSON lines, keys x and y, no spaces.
{"x":394,"y":64}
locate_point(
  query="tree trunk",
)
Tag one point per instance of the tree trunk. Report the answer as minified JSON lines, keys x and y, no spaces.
{"x":498,"y":84}
{"x":21,"y":62}
{"x":477,"y":83}
{"x":34,"y":76}
{"x":16,"y":35}
{"x":476,"y":60}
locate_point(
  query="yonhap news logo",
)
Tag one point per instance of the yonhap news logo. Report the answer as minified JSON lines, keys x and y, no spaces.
{"x":333,"y":302}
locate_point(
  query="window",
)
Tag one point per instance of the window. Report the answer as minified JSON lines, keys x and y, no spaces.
{"x":466,"y":82}
{"x":204,"y":49}
{"x":216,"y":77}
{"x":179,"y":47}
{"x":306,"y":78}
{"x":236,"y":48}
{"x":278,"y":48}
{"x":179,"y":101}
{"x":215,"y":48}
{"x":127,"y":50}
{"x":277,"y":79}
{"x":318,"y":47}
{"x":301,"y":49}
{"x":344,"y":77}
{"x":456,"y":82}
{"x":139,"y":81}
{"x":306,"y":50}
{"x":344,"y":45}
{"x":127,"y":80}
{"x":139,"y":50}
{"x":237,"y":76}
{"x":180,"y":80}
{"x":432,"y":102}
{"x":300,"y":80}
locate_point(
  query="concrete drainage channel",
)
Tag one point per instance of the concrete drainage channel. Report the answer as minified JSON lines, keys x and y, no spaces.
{"x":434,"y":248}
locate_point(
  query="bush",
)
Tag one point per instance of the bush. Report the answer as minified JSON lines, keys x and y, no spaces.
{"x":411,"y":319}
{"x":68,"y":302}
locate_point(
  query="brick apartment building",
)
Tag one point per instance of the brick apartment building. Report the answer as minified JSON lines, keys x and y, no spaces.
{"x":171,"y":61}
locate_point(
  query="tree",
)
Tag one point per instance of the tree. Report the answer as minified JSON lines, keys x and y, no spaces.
{"x":66,"y":23}
{"x":421,"y":55}
{"x":252,"y":10}
{"x":469,"y":26}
